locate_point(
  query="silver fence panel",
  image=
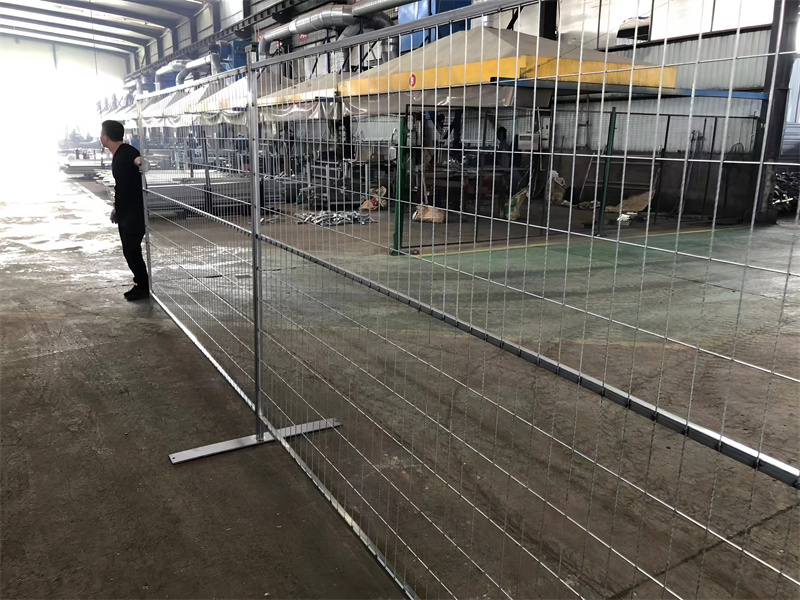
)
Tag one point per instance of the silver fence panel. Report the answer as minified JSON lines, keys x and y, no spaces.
{"x":533,"y":285}
{"x":199,"y":245}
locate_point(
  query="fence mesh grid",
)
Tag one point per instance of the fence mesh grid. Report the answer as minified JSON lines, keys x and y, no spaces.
{"x":557,"y":349}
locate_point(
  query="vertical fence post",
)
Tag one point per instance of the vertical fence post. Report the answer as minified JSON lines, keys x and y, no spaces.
{"x":255,"y":214}
{"x":612,"y":125}
{"x":142,"y":146}
{"x":402,"y":186}
{"x":708,"y":165}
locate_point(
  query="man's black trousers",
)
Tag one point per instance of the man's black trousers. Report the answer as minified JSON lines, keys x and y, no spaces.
{"x":131,"y":237}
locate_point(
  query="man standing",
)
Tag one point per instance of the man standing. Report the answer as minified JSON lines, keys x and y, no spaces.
{"x":128,"y":213}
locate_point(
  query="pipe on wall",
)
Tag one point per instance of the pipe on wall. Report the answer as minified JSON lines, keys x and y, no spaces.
{"x":212,"y":59}
{"x":391,"y":48}
{"x":174,"y":67}
{"x":325,"y":18}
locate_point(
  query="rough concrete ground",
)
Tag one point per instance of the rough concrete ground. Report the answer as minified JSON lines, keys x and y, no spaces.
{"x":476,"y":474}
{"x":96,"y":392}
{"x":661,"y":326}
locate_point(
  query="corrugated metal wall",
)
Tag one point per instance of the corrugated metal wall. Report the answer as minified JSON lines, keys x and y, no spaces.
{"x":481,"y":130}
{"x":640,"y":130}
{"x":152,"y":51}
{"x":205,"y":22}
{"x":715,"y":60}
{"x":793,"y":101}
{"x":184,"y":34}
{"x":230,"y":11}
{"x":166,"y":42}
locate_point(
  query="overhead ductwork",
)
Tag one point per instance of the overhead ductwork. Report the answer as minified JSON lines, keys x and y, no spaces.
{"x":212,"y":59}
{"x":176,"y":66}
{"x":137,"y":83}
{"x":379,"y":20}
{"x":485,"y":20}
{"x":325,"y":18}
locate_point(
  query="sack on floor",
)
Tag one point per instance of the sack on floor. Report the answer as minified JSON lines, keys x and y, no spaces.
{"x":556,"y":186}
{"x":428,"y":214}
{"x":589,"y":205}
{"x":633,"y":204}
{"x":377,"y":199}
{"x":515,"y":207}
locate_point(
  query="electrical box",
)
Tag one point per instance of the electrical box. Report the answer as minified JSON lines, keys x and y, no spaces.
{"x":239,"y":52}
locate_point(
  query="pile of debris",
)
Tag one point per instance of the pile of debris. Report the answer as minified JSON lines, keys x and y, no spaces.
{"x":786,"y":191}
{"x":328,"y":218}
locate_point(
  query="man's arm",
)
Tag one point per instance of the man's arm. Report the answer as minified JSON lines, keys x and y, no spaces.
{"x":142,"y":163}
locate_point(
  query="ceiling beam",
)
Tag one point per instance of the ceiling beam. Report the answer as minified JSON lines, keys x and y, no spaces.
{"x":118,"y":11}
{"x":201,"y":46}
{"x":76,"y":28}
{"x":58,"y":39}
{"x":149,"y":30}
{"x":178,"y":8}
{"x":33,"y":31}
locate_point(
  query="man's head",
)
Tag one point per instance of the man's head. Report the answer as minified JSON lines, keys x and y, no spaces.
{"x":111,"y":133}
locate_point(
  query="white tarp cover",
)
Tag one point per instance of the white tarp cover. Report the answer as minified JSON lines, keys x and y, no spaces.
{"x":236,"y":95}
{"x":130,"y":113}
{"x":158,"y":108}
{"x":486,"y":54}
{"x":324,"y":86}
{"x":319,"y":110}
{"x":487,"y":95}
{"x":312,"y":99}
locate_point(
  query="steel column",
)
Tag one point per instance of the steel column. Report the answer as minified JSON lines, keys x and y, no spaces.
{"x":612,"y":125}
{"x":255,"y":213}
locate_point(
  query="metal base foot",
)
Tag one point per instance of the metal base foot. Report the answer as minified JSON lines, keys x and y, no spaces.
{"x":250,"y":440}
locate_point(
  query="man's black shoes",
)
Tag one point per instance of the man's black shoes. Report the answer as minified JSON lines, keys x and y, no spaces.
{"x":137,"y":293}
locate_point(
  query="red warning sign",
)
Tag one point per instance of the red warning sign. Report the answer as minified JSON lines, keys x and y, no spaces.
{"x":412,"y":81}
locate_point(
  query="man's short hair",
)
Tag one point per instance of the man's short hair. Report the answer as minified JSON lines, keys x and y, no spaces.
{"x":115,"y":130}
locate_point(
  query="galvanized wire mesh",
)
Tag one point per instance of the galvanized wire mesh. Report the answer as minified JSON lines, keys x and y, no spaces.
{"x":200,"y":250}
{"x":580,"y":383}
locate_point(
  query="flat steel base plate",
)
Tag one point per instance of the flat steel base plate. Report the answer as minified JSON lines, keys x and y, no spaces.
{"x":250,"y":440}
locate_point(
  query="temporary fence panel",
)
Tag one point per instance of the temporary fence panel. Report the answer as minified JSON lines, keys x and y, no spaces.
{"x":531,"y":283}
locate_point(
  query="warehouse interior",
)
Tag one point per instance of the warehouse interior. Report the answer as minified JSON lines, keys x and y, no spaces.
{"x":502,"y":295}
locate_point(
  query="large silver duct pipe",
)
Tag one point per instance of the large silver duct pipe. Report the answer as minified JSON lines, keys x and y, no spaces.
{"x":377,"y":21}
{"x":485,"y":20}
{"x":326,"y":17}
{"x":391,"y":47}
{"x":137,"y":83}
{"x":368,"y":7}
{"x":174,"y":67}
{"x":209,"y":59}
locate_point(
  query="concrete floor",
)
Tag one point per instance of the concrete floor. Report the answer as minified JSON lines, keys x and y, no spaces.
{"x":463,"y":462}
{"x":644,"y":320}
{"x":96,"y":392}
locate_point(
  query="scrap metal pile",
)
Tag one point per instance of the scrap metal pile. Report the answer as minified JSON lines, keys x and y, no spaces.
{"x":327,"y":218}
{"x":786,"y":191}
